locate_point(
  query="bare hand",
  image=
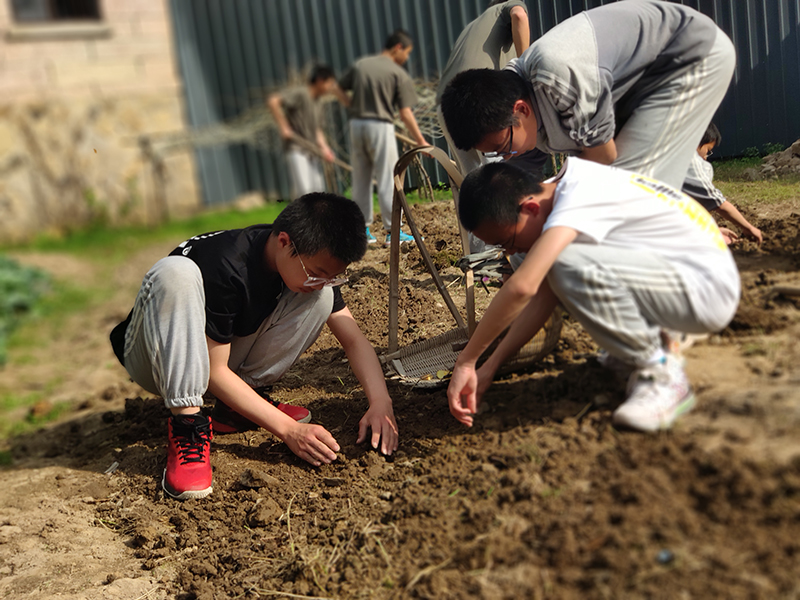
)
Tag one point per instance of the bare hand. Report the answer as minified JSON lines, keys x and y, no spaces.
{"x":384,"y":429}
{"x":754,"y":233}
{"x":286,"y":133}
{"x":462,"y":394}
{"x":728,"y":235}
{"x":312,"y":443}
{"x":328,"y":155}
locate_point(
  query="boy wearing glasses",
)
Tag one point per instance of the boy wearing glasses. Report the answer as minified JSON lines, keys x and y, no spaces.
{"x":631,"y":84}
{"x":229,"y":312}
{"x":626,"y":263}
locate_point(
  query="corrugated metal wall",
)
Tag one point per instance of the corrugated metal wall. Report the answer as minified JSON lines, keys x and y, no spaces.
{"x":231,"y":52}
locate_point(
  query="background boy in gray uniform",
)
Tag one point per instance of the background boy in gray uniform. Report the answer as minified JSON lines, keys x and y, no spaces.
{"x":380,"y":85}
{"x":500,"y":33}
{"x":297,"y":113}
{"x":633,"y":84}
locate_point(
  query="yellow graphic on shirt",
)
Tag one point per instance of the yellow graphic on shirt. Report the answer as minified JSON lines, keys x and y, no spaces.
{"x":689,"y":207}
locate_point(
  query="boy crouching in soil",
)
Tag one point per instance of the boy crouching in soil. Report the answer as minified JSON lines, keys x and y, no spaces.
{"x":627,"y":256}
{"x":229,"y":312}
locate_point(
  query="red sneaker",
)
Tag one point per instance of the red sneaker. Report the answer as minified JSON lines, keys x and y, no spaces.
{"x":188,"y":472}
{"x":298,"y":413}
{"x":226,"y":420}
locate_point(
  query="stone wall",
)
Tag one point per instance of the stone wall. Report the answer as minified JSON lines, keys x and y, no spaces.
{"x":74,"y":100}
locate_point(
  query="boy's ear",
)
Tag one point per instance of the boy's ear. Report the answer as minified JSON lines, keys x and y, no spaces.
{"x":530,"y":206}
{"x":522,"y":107}
{"x":284,"y":239}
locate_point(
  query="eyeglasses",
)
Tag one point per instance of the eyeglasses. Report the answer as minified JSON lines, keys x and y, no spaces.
{"x":504,"y":154}
{"x":513,"y":240}
{"x":324,"y":281}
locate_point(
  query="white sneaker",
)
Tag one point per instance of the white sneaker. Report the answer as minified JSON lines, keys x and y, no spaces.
{"x":657,"y":396}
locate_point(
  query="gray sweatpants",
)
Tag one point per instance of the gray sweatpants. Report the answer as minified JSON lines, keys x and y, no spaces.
{"x":305,"y":173}
{"x":373,"y":152}
{"x":466,"y":161}
{"x":623,"y":298}
{"x":165,"y":343}
{"x":664,"y":129}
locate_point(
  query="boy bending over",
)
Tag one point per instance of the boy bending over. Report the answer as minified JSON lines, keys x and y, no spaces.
{"x":629,"y":83}
{"x":624,"y":254}
{"x":229,"y":312}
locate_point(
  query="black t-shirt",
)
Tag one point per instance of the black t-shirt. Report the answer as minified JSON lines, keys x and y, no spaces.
{"x":241,"y":292}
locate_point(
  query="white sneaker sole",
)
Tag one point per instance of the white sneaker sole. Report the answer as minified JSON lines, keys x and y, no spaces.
{"x":188,"y":494}
{"x":621,"y":418}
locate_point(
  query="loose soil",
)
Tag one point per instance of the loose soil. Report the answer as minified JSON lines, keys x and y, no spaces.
{"x":543,"y":498}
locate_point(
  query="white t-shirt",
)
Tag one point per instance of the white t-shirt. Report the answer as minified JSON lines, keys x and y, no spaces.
{"x":618,"y":208}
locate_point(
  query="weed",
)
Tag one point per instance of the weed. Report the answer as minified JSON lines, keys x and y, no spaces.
{"x":20,"y":290}
{"x":550,"y":492}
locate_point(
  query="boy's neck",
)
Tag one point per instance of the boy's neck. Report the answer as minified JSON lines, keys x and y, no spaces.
{"x":270,"y":252}
{"x":546,"y":198}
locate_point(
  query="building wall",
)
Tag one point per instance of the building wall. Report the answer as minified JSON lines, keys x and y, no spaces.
{"x":74,"y":99}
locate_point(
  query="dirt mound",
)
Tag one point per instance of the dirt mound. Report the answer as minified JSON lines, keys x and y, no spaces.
{"x":786,"y":162}
{"x":541,"y":499}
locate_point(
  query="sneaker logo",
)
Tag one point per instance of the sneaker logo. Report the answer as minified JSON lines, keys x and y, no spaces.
{"x":186,"y":250}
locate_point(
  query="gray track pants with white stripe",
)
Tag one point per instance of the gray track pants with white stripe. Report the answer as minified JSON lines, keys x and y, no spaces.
{"x":165,"y":343}
{"x":622,"y":298}
{"x":666,"y":126}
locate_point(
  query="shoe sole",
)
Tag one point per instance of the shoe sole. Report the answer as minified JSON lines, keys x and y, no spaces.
{"x":186,"y":495}
{"x":389,"y":243}
{"x":682,"y":408}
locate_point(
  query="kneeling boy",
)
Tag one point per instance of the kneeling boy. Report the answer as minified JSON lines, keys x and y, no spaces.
{"x":229,"y":312}
{"x":627,"y":256}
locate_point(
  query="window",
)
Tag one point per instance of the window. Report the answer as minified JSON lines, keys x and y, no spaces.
{"x":38,"y":11}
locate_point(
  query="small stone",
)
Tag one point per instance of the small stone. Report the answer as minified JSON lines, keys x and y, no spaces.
{"x":255,"y":479}
{"x":664,"y":557}
{"x":333,"y":481}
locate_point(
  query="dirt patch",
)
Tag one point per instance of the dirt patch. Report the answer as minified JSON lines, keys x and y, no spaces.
{"x":541,"y":499}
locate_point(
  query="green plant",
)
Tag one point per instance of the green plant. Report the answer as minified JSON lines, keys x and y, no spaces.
{"x":20,"y":289}
{"x":770,"y":148}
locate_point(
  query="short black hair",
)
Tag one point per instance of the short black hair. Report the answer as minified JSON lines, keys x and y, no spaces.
{"x":712,"y":134}
{"x":322,"y":221}
{"x":492,"y":194}
{"x":398,"y":36}
{"x":321,"y":72}
{"x":478,"y":102}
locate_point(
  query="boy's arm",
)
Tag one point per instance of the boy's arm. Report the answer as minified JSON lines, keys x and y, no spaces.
{"x":520,"y":29}
{"x":367,"y":368}
{"x":730,"y":213}
{"x":342,"y":96}
{"x":410,"y":121}
{"x":312,"y":443}
{"x":327,"y":153}
{"x":605,"y":154}
{"x":526,"y":325}
{"x":510,"y":301}
{"x":274,"y":104}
